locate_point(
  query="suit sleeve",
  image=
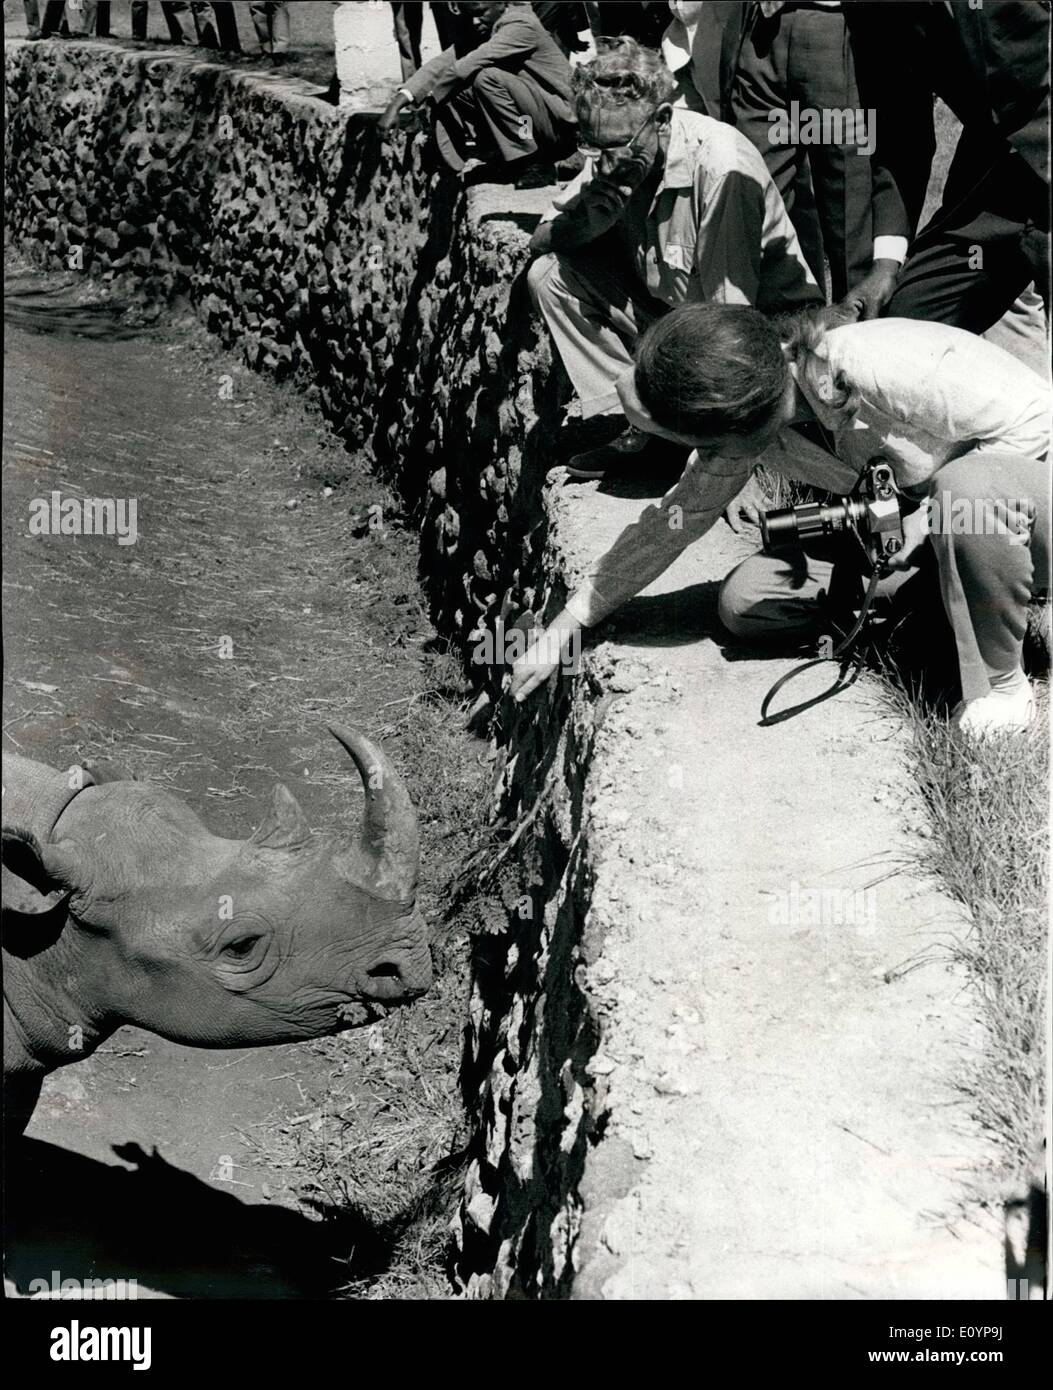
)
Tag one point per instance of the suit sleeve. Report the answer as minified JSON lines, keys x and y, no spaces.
{"x":887,"y":44}
{"x":508,"y":47}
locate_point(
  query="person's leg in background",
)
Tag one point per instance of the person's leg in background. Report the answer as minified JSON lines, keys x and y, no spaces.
{"x":227,"y":26}
{"x":511,"y":117}
{"x":32,"y":10}
{"x":821,"y":78}
{"x":91,"y":18}
{"x":204,"y":24}
{"x":271,"y":23}
{"x":760,"y":90}
{"x":345,"y":54}
{"x":408,"y":20}
{"x":172,"y":9}
{"x":281,"y":29}
{"x":982,"y":249}
{"x":217,"y":26}
{"x":447,"y":24}
{"x":54,"y":18}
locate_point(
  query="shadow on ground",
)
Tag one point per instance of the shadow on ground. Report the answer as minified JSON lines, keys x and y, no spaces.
{"x":169,"y":1231}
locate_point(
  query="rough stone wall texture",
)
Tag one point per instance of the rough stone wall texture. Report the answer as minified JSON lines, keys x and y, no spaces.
{"x":359,"y":272}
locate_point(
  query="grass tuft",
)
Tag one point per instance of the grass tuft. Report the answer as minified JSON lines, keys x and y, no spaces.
{"x":986,"y":802}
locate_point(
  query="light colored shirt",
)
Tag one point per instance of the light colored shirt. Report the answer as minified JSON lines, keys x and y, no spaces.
{"x":928,"y":393}
{"x":716,"y":229}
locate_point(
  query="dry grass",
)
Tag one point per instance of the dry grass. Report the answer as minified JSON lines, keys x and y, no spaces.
{"x":987,"y":803}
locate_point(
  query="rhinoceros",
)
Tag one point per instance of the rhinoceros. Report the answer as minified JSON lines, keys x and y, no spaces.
{"x":119,"y":906}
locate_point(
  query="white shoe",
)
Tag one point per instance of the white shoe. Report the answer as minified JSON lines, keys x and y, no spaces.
{"x":1008,"y":709}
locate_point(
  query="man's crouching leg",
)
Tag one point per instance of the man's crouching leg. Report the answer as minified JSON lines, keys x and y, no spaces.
{"x":990,"y":531}
{"x":775,"y":598}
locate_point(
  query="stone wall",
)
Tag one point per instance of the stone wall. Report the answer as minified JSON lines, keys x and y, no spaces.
{"x":392,"y":297}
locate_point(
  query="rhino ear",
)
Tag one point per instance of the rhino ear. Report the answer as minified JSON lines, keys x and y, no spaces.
{"x":102,"y":770}
{"x":34,"y":905}
{"x":285,"y":826}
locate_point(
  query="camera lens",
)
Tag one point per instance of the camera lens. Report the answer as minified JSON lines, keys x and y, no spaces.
{"x":795,"y":525}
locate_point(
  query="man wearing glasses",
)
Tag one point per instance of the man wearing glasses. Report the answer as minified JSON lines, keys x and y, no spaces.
{"x":672,"y":207}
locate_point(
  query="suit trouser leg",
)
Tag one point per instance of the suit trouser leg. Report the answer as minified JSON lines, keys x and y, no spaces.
{"x":517,"y":114}
{"x":446,"y":25}
{"x":94,"y":19}
{"x":969,"y":264}
{"x":32,"y":10}
{"x":54,"y":11}
{"x":271,"y":23}
{"x":408,"y":20}
{"x":595,"y":316}
{"x":508,"y":115}
{"x":960,"y":281}
{"x":990,"y":536}
{"x":281,"y":29}
{"x":760,"y":91}
{"x":822,"y":78}
{"x":217,"y":25}
{"x":227,"y":26}
{"x":171,"y":11}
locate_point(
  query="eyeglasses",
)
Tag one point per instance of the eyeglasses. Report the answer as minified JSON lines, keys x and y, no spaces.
{"x":616,"y":151}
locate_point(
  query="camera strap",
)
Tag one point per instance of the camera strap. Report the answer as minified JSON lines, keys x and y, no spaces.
{"x":847,"y":676}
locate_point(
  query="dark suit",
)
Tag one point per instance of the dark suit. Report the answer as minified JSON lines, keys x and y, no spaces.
{"x":508,"y":98}
{"x":409,"y":27}
{"x":990,"y":237}
{"x":824,"y":59}
{"x":171,"y":10}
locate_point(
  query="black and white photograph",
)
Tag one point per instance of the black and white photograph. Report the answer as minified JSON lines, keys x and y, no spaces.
{"x":526,"y":627}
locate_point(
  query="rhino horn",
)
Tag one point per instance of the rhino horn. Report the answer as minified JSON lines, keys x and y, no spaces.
{"x":388,"y":849}
{"x":284,"y":826}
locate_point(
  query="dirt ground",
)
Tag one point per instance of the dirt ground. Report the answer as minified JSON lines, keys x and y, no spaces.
{"x":254,"y":538}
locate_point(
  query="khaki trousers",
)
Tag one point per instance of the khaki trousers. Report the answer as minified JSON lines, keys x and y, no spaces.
{"x":991,"y":539}
{"x":595,"y":309}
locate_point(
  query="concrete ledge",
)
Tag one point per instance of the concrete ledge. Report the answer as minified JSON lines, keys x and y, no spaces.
{"x":681,"y":1085}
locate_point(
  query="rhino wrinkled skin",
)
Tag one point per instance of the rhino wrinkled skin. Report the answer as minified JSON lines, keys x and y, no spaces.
{"x":119,"y":906}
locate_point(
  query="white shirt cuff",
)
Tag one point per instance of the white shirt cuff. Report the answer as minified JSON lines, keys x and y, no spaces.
{"x":586,"y":605}
{"x":890,"y":248}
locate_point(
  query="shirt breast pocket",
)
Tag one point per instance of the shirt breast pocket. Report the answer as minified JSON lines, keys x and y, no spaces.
{"x":679,"y":257}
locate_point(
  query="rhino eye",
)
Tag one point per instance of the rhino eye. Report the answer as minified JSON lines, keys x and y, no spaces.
{"x":241,"y":948}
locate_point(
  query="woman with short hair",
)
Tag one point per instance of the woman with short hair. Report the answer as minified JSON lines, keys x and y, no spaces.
{"x":963,"y":425}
